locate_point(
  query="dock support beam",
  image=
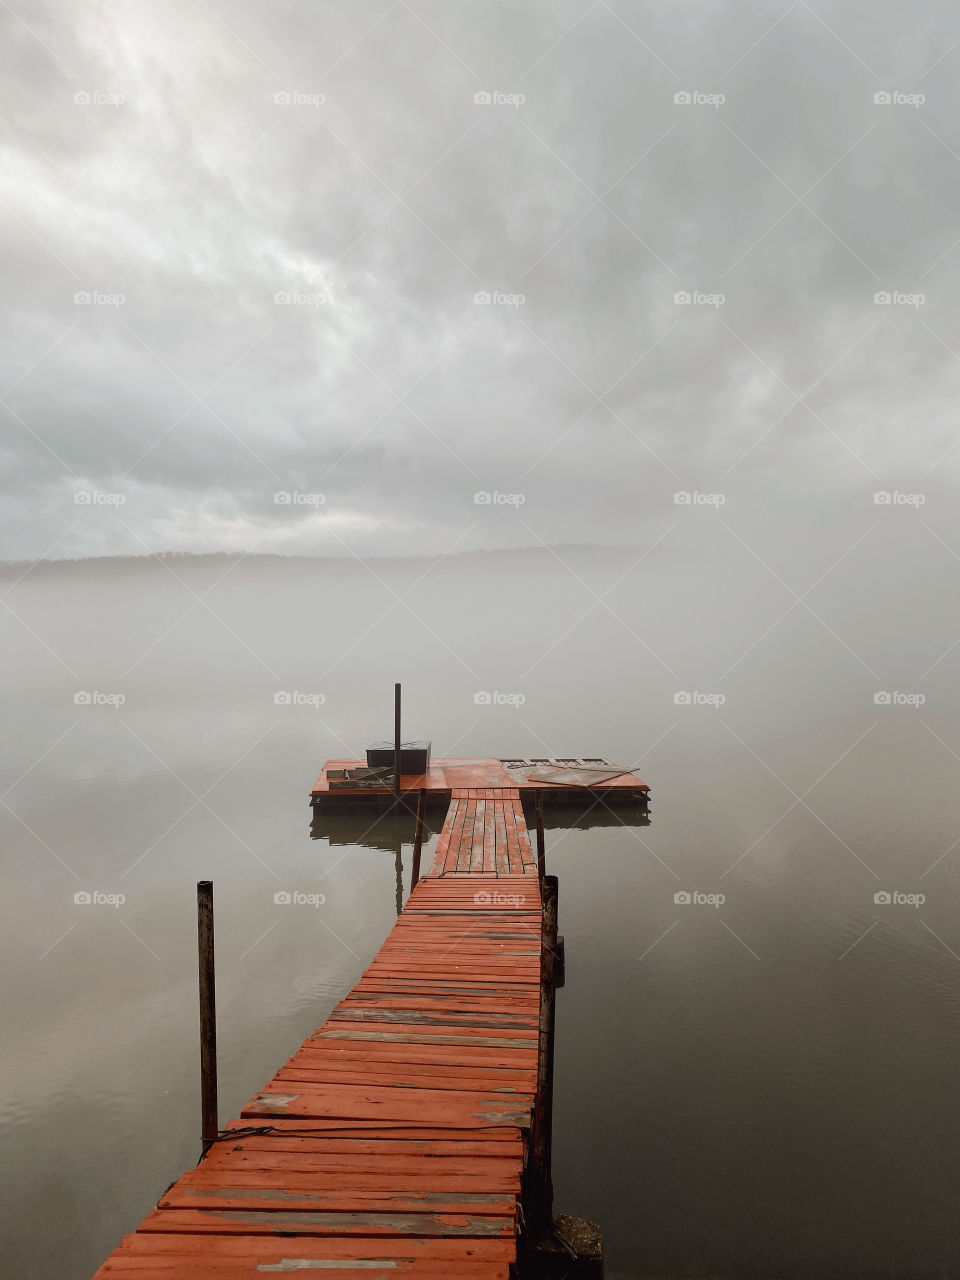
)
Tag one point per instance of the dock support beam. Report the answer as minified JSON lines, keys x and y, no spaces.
{"x":541,"y":848}
{"x":208,"y":1015}
{"x":418,"y":839}
{"x":540,"y":1217}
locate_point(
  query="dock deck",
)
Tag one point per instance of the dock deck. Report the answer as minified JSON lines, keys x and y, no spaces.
{"x":554,"y":779}
{"x":395,"y":1139}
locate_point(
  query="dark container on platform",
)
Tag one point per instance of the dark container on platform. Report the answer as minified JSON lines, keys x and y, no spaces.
{"x":414,"y":756}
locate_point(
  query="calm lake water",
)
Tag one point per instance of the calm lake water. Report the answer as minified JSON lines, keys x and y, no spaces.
{"x":764,"y":1088}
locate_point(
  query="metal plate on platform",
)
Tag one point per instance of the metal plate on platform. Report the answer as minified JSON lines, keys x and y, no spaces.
{"x":574,"y":775}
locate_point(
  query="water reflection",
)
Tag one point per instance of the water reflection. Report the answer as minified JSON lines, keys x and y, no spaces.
{"x":376,"y":822}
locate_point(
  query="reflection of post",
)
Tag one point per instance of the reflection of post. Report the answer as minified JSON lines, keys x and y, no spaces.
{"x":541,"y":1210}
{"x":208,"y":1015}
{"x":541,"y":851}
{"x":418,"y":839}
{"x":399,"y":869}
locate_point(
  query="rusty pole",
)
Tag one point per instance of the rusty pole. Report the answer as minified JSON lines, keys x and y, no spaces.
{"x":208,"y":1014}
{"x":541,"y":1209}
{"x":418,"y":839}
{"x":396,"y":744}
{"x":541,"y":850}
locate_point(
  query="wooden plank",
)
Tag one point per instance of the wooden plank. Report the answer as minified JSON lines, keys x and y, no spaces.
{"x":313,"y":1222}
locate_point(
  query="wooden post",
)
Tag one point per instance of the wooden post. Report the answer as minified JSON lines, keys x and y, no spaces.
{"x":396,"y":744}
{"x":541,"y":1209}
{"x":208,"y":1015}
{"x":418,"y":839}
{"x":541,"y":849}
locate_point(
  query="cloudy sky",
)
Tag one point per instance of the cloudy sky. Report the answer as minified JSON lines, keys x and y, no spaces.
{"x":308,"y":277}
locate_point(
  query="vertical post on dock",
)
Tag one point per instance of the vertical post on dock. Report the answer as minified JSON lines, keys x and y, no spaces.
{"x":541,"y":849}
{"x":541,"y":1208}
{"x":396,"y":744}
{"x":418,"y":839}
{"x":208,"y":1014}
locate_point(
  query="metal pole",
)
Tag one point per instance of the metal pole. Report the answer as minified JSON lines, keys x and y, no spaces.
{"x":396,"y":743}
{"x":208,"y":1014}
{"x":418,"y":839}
{"x":542,"y":1135}
{"x":541,"y":848}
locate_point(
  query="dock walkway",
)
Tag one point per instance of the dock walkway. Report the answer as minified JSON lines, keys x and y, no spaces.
{"x":394,"y":1141}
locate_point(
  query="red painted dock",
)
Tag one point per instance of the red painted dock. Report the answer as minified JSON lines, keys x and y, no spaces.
{"x":394,"y":1140}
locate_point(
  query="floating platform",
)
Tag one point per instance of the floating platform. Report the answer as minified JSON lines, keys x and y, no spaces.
{"x":554,"y":779}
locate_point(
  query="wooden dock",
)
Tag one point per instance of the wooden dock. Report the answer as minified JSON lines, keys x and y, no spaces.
{"x":396,"y":1140}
